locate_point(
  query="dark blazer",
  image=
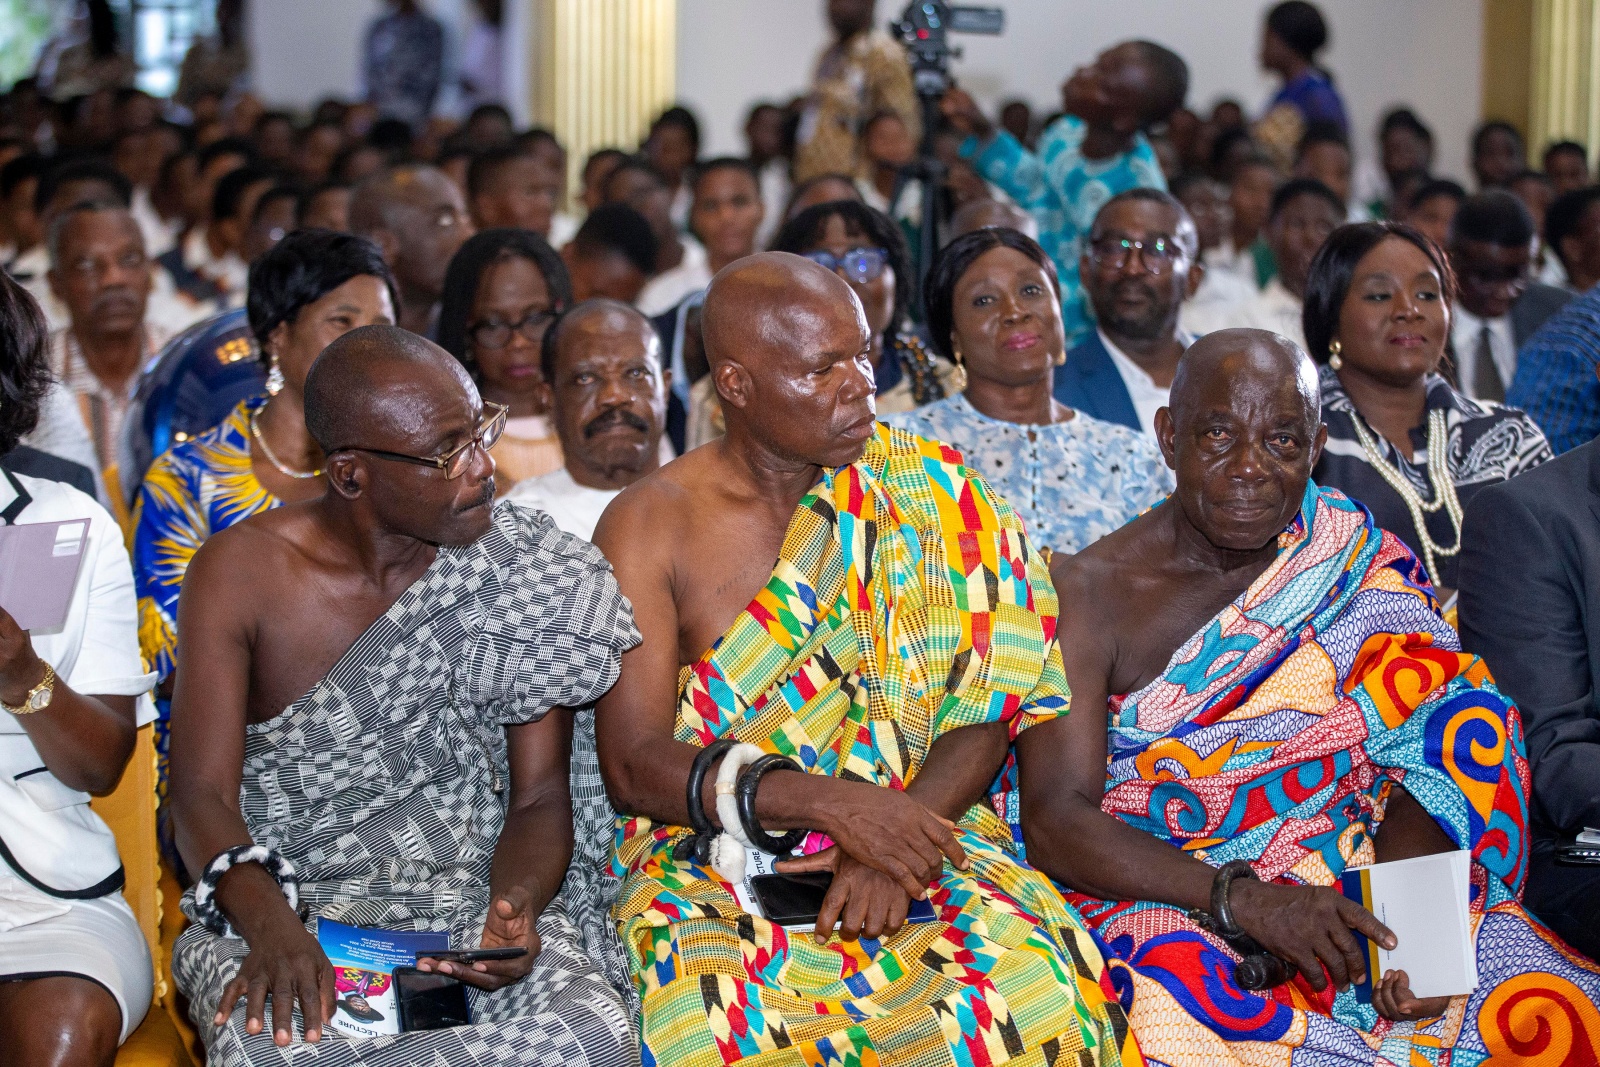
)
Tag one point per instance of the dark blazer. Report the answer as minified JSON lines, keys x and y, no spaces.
{"x":193,"y":284}
{"x":1530,"y":606}
{"x":1537,"y":303}
{"x":1088,"y":382}
{"x":36,"y":464}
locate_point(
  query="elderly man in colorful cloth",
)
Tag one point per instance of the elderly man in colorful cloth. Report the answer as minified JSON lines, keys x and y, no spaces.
{"x":1284,"y":704}
{"x":863,"y":612}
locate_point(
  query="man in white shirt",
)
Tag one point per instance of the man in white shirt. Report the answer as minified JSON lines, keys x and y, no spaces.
{"x":1304,"y":213}
{"x":682,"y":266}
{"x":602,"y":365}
{"x":1498,"y":308}
{"x":1140,"y":264}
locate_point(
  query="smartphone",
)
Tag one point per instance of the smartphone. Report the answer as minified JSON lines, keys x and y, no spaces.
{"x":475,"y":955}
{"x":427,"y":1000}
{"x":796,"y":899}
{"x":1577,"y":854}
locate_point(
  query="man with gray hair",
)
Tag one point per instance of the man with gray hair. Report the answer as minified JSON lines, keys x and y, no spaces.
{"x":1140,"y":264}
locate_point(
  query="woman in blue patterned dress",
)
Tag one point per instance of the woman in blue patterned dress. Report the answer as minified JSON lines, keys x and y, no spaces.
{"x":994,"y":309}
{"x":314,"y":286}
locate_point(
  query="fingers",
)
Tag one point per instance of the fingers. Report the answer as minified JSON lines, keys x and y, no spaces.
{"x":282,"y":995}
{"x":1383,"y":998}
{"x":1332,"y":959}
{"x":1358,"y":918}
{"x":507,"y":918}
{"x":915,"y":887}
{"x":832,"y":904}
{"x":899,"y":904}
{"x":1305,"y":958}
{"x":817,"y":861}
{"x":878,"y":910}
{"x":855,"y":913}
{"x":945,"y":838}
{"x":1355,"y":961}
{"x":230,"y":996}
{"x":255,"y":1005}
{"x":310,"y":999}
{"x":329,"y":993}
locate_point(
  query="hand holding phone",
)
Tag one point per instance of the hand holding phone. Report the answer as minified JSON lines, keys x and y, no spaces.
{"x":508,"y":926}
{"x":477,"y":955}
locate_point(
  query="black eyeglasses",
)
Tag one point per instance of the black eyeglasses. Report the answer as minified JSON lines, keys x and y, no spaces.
{"x":1157,"y":253}
{"x":492,"y":333}
{"x":453,"y":463}
{"x":859,"y":265}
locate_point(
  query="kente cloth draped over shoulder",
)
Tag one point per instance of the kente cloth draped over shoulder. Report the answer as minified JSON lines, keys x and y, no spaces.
{"x":906,"y":603}
{"x":386,"y":784}
{"x":1275,"y":735}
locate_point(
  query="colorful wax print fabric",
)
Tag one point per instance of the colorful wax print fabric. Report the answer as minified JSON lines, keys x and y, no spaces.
{"x":1276,"y":735}
{"x":906,"y":603}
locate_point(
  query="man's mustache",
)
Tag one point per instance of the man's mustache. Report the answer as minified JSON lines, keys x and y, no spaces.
{"x":613,"y":418}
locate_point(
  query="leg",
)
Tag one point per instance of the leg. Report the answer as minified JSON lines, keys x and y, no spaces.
{"x":58,"y":1022}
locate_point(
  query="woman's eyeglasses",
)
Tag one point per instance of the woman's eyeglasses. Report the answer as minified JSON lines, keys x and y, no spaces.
{"x":454,"y":462}
{"x":493,"y":333}
{"x":859,"y":265}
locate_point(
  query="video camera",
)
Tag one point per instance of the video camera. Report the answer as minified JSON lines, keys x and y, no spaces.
{"x":924,"y":26}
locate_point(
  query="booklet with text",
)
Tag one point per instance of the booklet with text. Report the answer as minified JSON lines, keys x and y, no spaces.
{"x":1426,"y":902}
{"x":363,"y":971}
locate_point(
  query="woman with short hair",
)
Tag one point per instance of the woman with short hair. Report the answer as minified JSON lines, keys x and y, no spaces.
{"x":75,"y":971}
{"x":312,"y":287}
{"x":1401,"y":439}
{"x":994,"y":310}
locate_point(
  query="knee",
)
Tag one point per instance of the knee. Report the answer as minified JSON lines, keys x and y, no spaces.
{"x":60,"y":1022}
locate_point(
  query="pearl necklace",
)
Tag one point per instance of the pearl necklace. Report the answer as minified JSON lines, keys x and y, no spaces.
{"x":1444,"y":488}
{"x":287,"y":472}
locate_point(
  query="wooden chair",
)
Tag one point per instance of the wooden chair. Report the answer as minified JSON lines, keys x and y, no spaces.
{"x":165,"y":1038}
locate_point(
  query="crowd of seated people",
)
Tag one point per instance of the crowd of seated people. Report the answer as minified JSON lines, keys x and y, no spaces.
{"x":528,"y":545}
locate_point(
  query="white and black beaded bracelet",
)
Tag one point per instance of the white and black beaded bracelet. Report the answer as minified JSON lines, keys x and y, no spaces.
{"x":205,"y":890}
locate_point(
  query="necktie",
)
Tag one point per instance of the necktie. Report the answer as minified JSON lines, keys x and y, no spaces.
{"x":1486,"y":382}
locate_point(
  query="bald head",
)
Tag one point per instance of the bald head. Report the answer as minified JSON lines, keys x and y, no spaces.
{"x":790,"y":353}
{"x":372,"y":385}
{"x":762,"y":304}
{"x":1243,"y":432}
{"x":418,"y":218}
{"x":1238,"y":357}
{"x":591,"y":322}
{"x":986,"y":214}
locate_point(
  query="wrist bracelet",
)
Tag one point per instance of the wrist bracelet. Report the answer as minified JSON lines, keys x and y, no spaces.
{"x":1221,"y":906}
{"x":1257,"y":968}
{"x":727,"y":850}
{"x":205,"y":906}
{"x":745,"y":795}
{"x":698,"y":844}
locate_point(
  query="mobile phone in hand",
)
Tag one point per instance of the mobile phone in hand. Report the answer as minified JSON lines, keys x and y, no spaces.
{"x":475,"y":955}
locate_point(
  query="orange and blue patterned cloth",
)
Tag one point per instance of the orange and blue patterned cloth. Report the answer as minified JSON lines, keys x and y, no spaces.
{"x":1275,"y":735}
{"x":906,"y":603}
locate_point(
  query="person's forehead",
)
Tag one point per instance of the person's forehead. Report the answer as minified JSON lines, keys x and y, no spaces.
{"x":1130,"y":215}
{"x":90,"y":228}
{"x":1488,"y":251}
{"x":1309,"y":206}
{"x":726,"y":181}
{"x":1248,"y":373}
{"x":608,"y":337}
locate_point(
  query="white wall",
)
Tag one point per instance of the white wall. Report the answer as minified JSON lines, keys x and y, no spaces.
{"x":305,"y":50}
{"x":1425,"y":53}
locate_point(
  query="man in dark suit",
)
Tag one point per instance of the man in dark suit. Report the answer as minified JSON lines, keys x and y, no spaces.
{"x":1530,"y":606}
{"x":1140,"y":265}
{"x":1498,"y":309}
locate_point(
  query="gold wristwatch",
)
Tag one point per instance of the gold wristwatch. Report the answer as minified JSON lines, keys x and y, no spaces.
{"x":38,"y":697}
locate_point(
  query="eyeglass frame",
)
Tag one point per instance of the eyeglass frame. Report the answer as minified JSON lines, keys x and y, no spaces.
{"x":545,"y":317}
{"x":1130,"y":245}
{"x":500,"y":414}
{"x":833,"y":263}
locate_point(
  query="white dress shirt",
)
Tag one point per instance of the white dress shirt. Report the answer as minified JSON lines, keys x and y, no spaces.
{"x":1148,"y":397}
{"x":663,"y":292}
{"x":1274,"y":309}
{"x":1465,"y":334}
{"x":574,"y":508}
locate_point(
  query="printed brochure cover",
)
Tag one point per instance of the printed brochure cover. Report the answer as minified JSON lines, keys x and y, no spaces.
{"x":363,"y":970}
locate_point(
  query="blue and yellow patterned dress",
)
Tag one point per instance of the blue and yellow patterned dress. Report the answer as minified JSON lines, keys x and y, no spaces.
{"x":198,"y":487}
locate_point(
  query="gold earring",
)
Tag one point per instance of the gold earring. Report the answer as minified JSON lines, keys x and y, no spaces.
{"x":1059,"y":359}
{"x":1334,"y":359}
{"x":958,"y":377}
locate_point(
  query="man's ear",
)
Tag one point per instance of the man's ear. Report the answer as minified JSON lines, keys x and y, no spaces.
{"x":732,"y":383}
{"x":347,"y":475}
{"x":388,"y":244}
{"x":1197,"y":274}
{"x":1167,"y":437}
{"x":1317,"y":444}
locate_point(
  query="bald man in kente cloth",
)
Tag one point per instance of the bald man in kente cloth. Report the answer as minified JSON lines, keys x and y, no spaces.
{"x":1264,"y":697}
{"x":821,"y":586}
{"x":373,"y":703}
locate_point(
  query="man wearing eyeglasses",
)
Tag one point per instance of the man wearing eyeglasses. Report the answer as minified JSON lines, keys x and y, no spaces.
{"x":418,"y":217}
{"x":1140,"y":265}
{"x":372,"y":721}
{"x":1499,"y":307}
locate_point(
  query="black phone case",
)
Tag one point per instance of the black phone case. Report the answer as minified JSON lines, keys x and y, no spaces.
{"x":428,"y":1001}
{"x":791,"y":899}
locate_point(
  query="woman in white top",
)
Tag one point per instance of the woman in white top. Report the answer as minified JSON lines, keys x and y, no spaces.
{"x":75,"y":972}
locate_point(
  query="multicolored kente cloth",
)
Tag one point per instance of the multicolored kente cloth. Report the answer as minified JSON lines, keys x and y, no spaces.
{"x":1275,"y":736}
{"x":906,"y":603}
{"x":200,"y":487}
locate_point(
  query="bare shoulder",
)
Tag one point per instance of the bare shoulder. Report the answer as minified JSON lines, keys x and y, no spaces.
{"x":256,"y":549}
{"x":646,"y":516}
{"x":1093,"y":585}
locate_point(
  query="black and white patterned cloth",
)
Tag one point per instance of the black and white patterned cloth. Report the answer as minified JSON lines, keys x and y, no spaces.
{"x":1485,"y":444}
{"x":386,"y":787}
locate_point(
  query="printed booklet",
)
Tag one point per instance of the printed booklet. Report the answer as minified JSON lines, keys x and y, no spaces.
{"x":1426,"y":902}
{"x":363,"y":970}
